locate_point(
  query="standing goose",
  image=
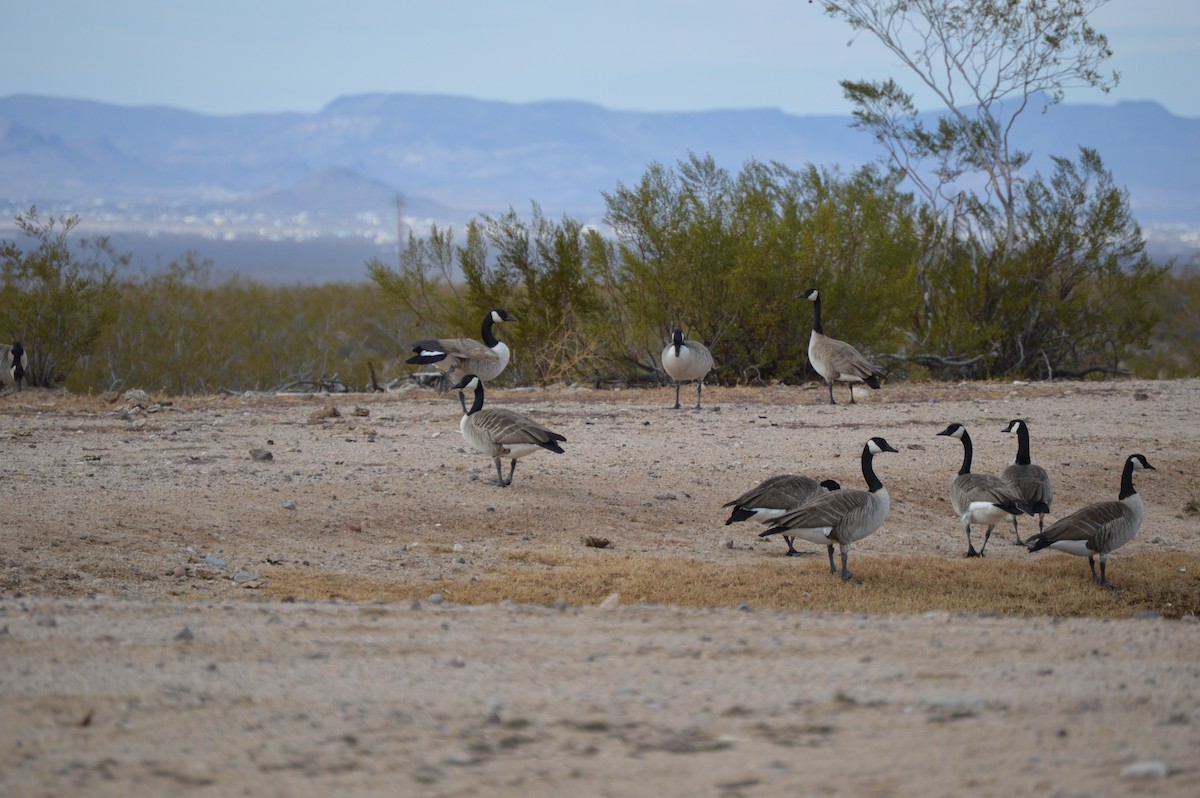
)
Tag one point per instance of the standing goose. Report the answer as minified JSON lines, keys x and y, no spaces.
{"x":775,"y":496}
{"x":13,"y":364}
{"x":1030,"y":482}
{"x":485,"y":360}
{"x":836,"y":361}
{"x":841,"y":516}
{"x":1099,"y":528}
{"x":685,"y":361}
{"x":979,"y":498}
{"x":498,"y":432}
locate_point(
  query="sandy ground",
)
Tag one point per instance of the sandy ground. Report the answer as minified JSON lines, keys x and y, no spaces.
{"x":140,"y":656}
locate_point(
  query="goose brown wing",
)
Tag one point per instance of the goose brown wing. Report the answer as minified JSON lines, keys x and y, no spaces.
{"x":984,"y":488}
{"x":1030,"y":482}
{"x":783,"y":491}
{"x":827,"y":509}
{"x":507,"y":428}
{"x":848,"y":360}
{"x":1087,"y":524}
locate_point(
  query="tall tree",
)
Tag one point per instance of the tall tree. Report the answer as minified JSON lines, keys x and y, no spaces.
{"x":986,"y":61}
{"x":59,"y":295}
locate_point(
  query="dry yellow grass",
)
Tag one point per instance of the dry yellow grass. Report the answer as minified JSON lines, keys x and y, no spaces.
{"x":1046,"y":586}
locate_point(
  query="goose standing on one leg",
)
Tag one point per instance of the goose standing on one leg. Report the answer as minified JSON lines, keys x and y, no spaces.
{"x":1030,"y":482}
{"x":1101,"y":528}
{"x":498,"y":432}
{"x":774,"y":497}
{"x":13,"y":364}
{"x":685,"y":361}
{"x":836,"y":361}
{"x":841,"y":516}
{"x":979,"y":498}
{"x":485,"y":360}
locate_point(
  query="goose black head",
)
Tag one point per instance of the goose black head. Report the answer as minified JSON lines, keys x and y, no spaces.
{"x":499,"y":314}
{"x":1015,"y":425}
{"x":469,"y":382}
{"x":1140,"y":461}
{"x":954,"y":431}
{"x":812,"y":295}
{"x":877,"y":445}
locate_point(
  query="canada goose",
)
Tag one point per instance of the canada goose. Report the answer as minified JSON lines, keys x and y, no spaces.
{"x":1030,"y":482}
{"x":836,"y":360}
{"x":498,"y":432}
{"x":485,"y":360}
{"x":840,"y":516}
{"x":1099,"y":528}
{"x":773,"y":497}
{"x":685,"y":361}
{"x":979,"y":498}
{"x":13,"y":364}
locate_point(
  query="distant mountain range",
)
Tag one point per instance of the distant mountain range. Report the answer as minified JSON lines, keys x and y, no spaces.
{"x":165,"y":180}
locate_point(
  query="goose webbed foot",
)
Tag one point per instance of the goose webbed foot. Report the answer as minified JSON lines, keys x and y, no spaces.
{"x":972,"y":553}
{"x":791,"y":552}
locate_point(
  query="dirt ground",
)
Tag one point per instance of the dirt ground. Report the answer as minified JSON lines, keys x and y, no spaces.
{"x":142,"y":652}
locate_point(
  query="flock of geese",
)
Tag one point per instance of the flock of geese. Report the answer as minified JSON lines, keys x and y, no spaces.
{"x":801,"y":507}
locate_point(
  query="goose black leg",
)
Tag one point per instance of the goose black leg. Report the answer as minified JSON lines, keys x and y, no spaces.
{"x":499,"y":481}
{"x":971,"y":546}
{"x":1017,"y":532}
{"x":986,"y":536}
{"x":677,"y":405}
{"x":832,"y":567}
{"x":791,"y":552}
{"x":845,"y":570}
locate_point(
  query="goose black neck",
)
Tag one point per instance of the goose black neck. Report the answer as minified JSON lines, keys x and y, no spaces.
{"x":868,"y":469}
{"x":1127,"y":479}
{"x":1022,"y":445}
{"x":485,"y":332}
{"x":967,"y":452}
{"x":477,"y":405}
{"x":817,"y":316}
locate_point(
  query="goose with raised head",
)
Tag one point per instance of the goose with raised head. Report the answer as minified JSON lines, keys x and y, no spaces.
{"x":486,"y":359}
{"x":498,"y":432}
{"x":1029,"y":481}
{"x":774,"y":497}
{"x":685,"y":361}
{"x":834,"y":360}
{"x":13,"y":364}
{"x":1099,"y":529}
{"x":841,"y":517}
{"x":979,"y":498}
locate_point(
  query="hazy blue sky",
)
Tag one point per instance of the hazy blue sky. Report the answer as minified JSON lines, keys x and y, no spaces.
{"x":235,"y":56}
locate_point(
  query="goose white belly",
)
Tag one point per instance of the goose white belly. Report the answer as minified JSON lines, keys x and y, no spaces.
{"x":764,"y":514}
{"x":817,"y":534}
{"x":982,"y":513}
{"x":1077,"y":547}
{"x":687,"y":365}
